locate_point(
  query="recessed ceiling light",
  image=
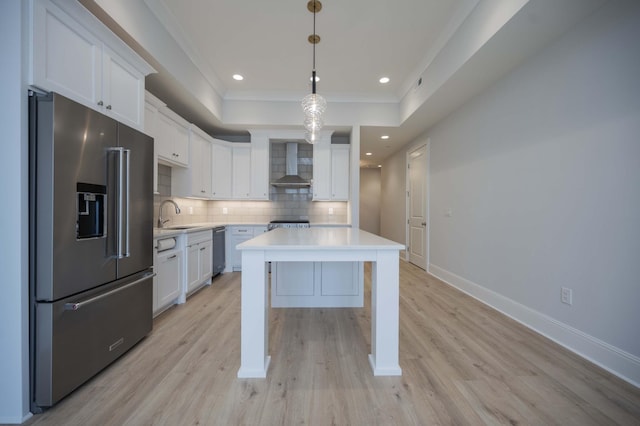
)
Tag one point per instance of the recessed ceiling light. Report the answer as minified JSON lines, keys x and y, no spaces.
{"x":238,"y":77}
{"x":379,"y":165}
{"x":368,"y":153}
{"x":384,"y":137}
{"x":384,"y":80}
{"x":317,"y":78}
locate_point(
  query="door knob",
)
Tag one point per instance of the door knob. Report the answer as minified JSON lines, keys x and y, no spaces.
{"x":424,"y":223}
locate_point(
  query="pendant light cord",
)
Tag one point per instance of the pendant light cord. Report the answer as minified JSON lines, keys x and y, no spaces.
{"x":313,"y":71}
{"x":314,"y":35}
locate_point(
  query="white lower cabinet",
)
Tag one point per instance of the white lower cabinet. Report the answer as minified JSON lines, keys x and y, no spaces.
{"x":293,"y":278}
{"x":199,"y":260}
{"x":167,"y":284}
{"x":317,"y":284}
{"x":235,"y":235}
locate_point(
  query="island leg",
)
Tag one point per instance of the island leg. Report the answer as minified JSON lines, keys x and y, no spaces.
{"x":254,"y":321}
{"x":385,"y":310}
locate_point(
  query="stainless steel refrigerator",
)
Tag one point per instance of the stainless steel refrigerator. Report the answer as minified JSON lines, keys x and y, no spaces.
{"x":91,"y":243}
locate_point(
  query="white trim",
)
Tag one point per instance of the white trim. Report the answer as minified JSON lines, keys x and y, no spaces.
{"x":428,"y":200}
{"x":462,"y":13}
{"x":407,"y":207}
{"x":164,"y":15}
{"x":613,"y":359}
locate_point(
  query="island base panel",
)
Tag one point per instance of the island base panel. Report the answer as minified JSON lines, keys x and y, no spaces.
{"x":384,"y":371}
{"x":247,"y":373}
{"x":254,"y":317}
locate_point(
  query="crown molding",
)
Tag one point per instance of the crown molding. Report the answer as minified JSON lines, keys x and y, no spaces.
{"x":164,"y":15}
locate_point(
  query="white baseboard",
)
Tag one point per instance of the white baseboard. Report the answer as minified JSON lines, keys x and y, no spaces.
{"x":613,"y":359}
{"x":15,"y":420}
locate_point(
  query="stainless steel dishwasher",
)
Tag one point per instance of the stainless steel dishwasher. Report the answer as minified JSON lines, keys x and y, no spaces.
{"x":218,"y":250}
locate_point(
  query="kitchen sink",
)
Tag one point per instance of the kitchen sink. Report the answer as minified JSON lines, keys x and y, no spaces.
{"x":176,"y":228}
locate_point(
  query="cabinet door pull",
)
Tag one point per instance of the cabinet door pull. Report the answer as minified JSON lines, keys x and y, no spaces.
{"x":100,"y":103}
{"x":172,"y":257}
{"x":108,"y":106}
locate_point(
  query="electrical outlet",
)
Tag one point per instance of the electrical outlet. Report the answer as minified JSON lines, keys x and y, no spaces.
{"x":225,"y":210}
{"x":566,"y":295}
{"x":330,"y":210}
{"x":190,"y":210}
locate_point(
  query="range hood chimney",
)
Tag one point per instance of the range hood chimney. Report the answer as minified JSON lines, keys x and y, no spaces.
{"x":291,"y":179}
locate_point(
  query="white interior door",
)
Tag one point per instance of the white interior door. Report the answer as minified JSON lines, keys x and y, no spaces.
{"x":417,"y":211}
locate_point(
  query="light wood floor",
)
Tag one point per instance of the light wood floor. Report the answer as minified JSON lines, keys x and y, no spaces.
{"x":463,"y":364}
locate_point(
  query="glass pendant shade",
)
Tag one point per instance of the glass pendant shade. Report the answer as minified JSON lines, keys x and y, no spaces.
{"x":313,"y":123}
{"x":311,"y":137}
{"x":313,"y":104}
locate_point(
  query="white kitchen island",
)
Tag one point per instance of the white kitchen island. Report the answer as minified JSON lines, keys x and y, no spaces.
{"x":319,"y":245}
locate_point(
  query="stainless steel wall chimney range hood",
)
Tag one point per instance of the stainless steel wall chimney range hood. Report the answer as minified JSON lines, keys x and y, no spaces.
{"x":291,"y":179}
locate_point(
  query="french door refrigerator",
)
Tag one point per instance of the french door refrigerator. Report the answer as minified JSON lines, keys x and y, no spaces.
{"x":91,"y":243}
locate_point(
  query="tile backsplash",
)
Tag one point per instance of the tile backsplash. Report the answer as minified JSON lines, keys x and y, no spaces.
{"x":284,"y":203}
{"x":198,"y":211}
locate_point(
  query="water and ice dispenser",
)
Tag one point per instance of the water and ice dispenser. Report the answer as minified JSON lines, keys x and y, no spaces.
{"x":91,"y":211}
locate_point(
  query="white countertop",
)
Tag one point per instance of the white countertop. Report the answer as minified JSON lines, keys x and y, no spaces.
{"x":174,"y":230}
{"x":319,"y":239}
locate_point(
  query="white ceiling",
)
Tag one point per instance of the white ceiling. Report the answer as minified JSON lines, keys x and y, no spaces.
{"x":266,"y":42}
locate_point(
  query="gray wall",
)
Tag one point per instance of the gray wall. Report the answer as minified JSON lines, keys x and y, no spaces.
{"x":542,"y":174}
{"x":393,"y":207}
{"x":370,"y":194}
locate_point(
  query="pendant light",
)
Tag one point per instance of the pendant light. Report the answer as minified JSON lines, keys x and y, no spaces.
{"x":313,"y":105}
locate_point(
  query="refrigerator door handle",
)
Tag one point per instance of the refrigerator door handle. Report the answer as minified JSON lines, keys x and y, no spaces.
{"x":122,"y":209}
{"x":127,"y":156}
{"x":74,"y":306}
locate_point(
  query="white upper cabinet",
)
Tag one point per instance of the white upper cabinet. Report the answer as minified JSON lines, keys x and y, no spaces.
{"x":74,"y":54}
{"x":221,"y":170}
{"x":322,"y":170}
{"x":250,"y":169}
{"x":122,"y":90}
{"x":330,"y":171}
{"x":200,"y":163}
{"x":241,"y":171}
{"x":340,"y":172}
{"x":259,"y":167}
{"x":172,"y":138}
{"x":194,"y":181}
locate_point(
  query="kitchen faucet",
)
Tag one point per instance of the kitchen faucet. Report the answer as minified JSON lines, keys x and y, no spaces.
{"x":160,"y":221}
